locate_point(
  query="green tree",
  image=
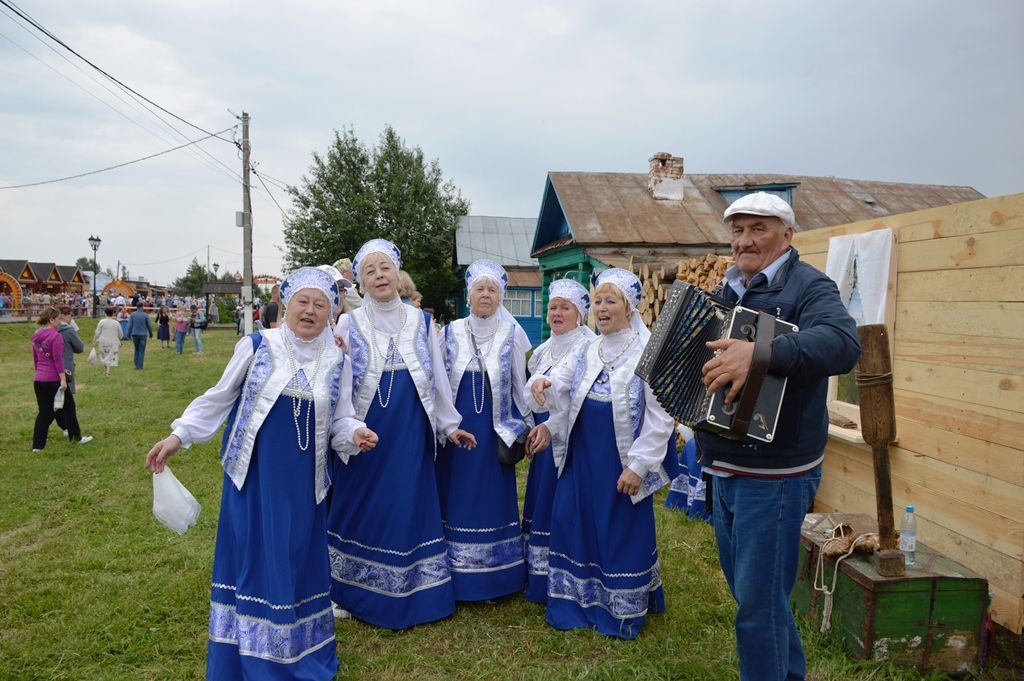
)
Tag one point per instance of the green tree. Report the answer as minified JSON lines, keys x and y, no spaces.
{"x":355,"y":193}
{"x":192,"y":281}
{"x":84,"y":263}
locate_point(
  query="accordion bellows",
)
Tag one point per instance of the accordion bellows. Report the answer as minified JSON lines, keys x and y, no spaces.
{"x":676,"y":352}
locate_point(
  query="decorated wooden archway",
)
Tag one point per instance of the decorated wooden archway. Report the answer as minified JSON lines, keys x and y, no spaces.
{"x":9,"y":284}
{"x":119,"y":287}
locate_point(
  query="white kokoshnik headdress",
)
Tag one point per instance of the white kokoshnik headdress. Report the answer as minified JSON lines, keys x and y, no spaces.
{"x":376,"y":246}
{"x":574,"y":292}
{"x":628,"y":283}
{"x":310,"y":277}
{"x":486,"y":268}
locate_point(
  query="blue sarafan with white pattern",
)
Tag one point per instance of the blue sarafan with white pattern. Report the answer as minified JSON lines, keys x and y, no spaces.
{"x":626,"y":282}
{"x":489,"y":269}
{"x":310,"y":277}
{"x":376,"y":246}
{"x":270,"y":604}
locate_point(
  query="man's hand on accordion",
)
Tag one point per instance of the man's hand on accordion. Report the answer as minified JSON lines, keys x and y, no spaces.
{"x":730,"y":365}
{"x":539,"y":386}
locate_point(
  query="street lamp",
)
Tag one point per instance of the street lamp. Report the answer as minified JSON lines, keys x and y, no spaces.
{"x":94,"y":243}
{"x":216,"y":266}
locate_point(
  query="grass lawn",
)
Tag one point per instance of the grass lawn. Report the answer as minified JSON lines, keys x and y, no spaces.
{"x":92,"y":587}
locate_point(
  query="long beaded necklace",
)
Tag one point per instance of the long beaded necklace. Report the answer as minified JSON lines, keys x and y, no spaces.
{"x":609,"y":364}
{"x":478,"y":407}
{"x":389,"y":359}
{"x":297,"y":401}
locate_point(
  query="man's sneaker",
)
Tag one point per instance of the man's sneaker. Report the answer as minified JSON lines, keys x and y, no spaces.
{"x":85,"y":438}
{"x":37,"y":450}
{"x":65,"y":433}
{"x":339,"y":613}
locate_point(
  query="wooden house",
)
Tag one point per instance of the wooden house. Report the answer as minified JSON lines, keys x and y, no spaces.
{"x":591,"y":221}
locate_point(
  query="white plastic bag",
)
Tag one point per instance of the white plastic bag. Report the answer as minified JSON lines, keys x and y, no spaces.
{"x":173,"y":505}
{"x":92,"y":356}
{"x":58,"y":400}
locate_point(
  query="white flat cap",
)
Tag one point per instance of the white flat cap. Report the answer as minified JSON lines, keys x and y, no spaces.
{"x":761,"y":203}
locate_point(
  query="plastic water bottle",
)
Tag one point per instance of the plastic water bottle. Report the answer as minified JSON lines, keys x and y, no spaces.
{"x":908,"y":535}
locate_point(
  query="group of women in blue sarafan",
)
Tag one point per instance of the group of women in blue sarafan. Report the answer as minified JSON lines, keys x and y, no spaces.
{"x":397,"y":536}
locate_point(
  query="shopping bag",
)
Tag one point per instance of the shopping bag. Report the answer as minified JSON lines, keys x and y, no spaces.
{"x":173,"y":505}
{"x":92,"y":356}
{"x":58,"y":400}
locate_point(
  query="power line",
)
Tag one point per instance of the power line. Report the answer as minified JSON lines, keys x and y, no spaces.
{"x":160,"y":262}
{"x":119,"y":165}
{"x":42,"y":29}
{"x":129,"y":102}
{"x":260,"y":178}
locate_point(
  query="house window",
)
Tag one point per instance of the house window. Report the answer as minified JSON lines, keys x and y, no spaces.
{"x":519,"y":302}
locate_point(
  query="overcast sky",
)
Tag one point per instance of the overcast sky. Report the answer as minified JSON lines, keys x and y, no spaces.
{"x":500,"y":93}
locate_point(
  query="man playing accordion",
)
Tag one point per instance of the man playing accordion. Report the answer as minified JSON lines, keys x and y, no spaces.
{"x":762,"y":490}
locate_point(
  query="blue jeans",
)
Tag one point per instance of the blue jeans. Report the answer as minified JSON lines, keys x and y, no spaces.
{"x":140,"y":350}
{"x":179,"y":341}
{"x":197,"y":335}
{"x":757,"y":527}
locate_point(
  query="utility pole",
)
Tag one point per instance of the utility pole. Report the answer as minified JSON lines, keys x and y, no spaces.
{"x":246,"y":229}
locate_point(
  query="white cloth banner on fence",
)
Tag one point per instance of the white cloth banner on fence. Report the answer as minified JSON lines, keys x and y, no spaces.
{"x":860,"y":265}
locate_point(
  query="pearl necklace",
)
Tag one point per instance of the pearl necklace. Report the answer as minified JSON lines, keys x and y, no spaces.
{"x":609,"y":363}
{"x":478,"y":407}
{"x":390,"y":357}
{"x":297,"y":401}
{"x":554,"y":360}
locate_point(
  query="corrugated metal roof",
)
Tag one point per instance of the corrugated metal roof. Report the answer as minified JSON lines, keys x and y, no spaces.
{"x":507,"y":241}
{"x":616,"y":208}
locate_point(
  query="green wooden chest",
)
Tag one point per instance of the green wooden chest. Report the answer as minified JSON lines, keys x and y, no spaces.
{"x":931,"y":618}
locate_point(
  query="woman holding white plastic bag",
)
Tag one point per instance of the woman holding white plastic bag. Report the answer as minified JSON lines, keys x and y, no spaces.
{"x":286,"y":396}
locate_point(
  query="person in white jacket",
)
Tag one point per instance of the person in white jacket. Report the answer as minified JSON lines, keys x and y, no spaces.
{"x":609,"y":444}
{"x":388,"y":556}
{"x":283,"y":395}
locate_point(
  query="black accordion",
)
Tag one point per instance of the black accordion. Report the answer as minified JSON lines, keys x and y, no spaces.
{"x":672,"y":361}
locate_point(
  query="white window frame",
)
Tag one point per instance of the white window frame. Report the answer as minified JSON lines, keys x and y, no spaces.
{"x":521,"y":296}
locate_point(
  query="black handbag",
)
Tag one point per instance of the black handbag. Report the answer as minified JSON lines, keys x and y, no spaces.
{"x":511,"y":455}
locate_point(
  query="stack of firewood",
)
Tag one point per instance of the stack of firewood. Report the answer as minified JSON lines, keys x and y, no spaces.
{"x":653,"y":292}
{"x":703,"y":271}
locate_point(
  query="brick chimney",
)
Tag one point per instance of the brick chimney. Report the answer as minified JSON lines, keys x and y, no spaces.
{"x":665,"y":178}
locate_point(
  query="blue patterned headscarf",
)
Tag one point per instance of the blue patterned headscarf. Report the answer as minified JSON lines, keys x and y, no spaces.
{"x":574,"y":292}
{"x":376,"y":246}
{"x":310,"y":277}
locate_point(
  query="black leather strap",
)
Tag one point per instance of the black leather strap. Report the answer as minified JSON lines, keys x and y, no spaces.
{"x":755,"y":375}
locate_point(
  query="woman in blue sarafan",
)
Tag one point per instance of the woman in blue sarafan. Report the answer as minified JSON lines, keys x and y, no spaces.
{"x":284,"y":396}
{"x":485,"y":357}
{"x":688,"y":491}
{"x":609,"y":447}
{"x":388,"y":554}
{"x":568,"y":307}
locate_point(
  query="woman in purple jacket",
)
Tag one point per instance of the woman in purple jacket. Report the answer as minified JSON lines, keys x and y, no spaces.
{"x":48,"y":358}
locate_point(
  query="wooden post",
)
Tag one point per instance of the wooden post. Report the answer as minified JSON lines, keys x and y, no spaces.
{"x":878,"y":427}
